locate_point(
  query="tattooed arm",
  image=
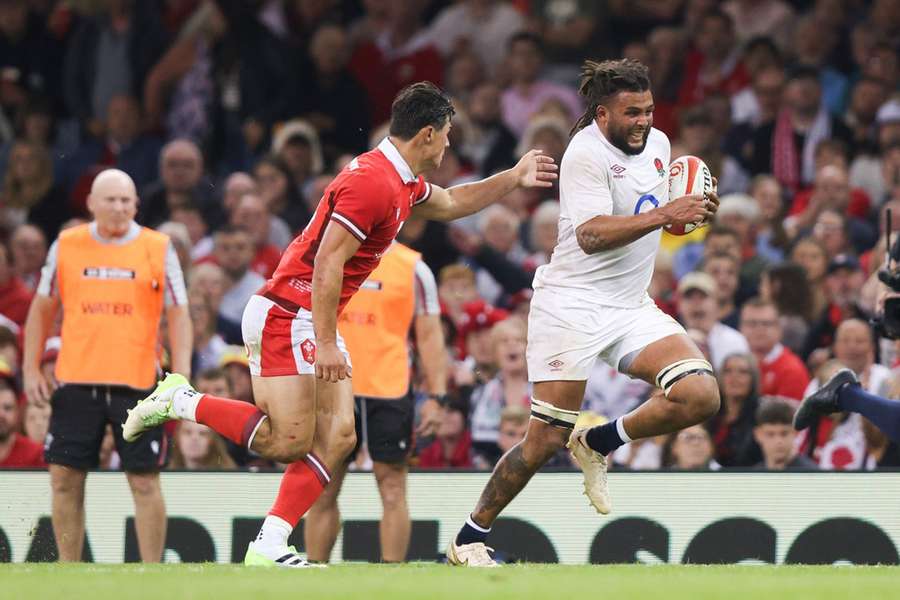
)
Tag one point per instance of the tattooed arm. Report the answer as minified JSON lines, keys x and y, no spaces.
{"x":607,"y":232}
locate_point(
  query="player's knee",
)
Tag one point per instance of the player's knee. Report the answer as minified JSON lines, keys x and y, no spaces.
{"x":691,"y":383}
{"x":342,"y":440}
{"x":290,"y":449}
{"x":700,"y":395}
{"x":543,"y":441}
{"x":709,"y":401}
{"x":549,"y":429}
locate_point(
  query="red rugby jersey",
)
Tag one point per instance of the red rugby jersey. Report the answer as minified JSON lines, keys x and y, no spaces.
{"x":370,"y":198}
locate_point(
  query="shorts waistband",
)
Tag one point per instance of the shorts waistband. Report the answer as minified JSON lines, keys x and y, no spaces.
{"x":283,"y":303}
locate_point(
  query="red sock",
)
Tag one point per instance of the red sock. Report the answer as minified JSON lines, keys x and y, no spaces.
{"x":301,"y":484}
{"x":233,"y":419}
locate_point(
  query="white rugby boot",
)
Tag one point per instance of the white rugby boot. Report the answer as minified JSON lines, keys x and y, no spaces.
{"x":593,"y":465}
{"x":470,"y":555}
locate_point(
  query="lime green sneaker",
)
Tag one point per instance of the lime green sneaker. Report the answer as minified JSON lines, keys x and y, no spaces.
{"x":155,"y":409}
{"x":286,"y":556}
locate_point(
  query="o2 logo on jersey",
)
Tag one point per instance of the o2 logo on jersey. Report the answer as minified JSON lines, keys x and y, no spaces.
{"x":645,"y":203}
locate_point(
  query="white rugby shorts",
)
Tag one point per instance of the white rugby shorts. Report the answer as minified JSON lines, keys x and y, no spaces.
{"x":567,"y":334}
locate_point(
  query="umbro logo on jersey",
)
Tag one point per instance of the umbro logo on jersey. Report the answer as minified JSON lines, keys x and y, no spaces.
{"x":556,"y":365}
{"x":617,"y":169}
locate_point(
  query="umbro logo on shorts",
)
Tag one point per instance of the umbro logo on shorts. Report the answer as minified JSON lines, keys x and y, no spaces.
{"x":556,"y":364}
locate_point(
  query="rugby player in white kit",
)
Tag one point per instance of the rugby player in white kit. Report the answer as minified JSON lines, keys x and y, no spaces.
{"x":591,"y":301}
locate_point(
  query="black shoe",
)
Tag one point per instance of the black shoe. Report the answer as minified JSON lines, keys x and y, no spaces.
{"x":824,"y":401}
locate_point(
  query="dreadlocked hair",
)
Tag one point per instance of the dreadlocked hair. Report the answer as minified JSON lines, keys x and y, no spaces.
{"x":601,"y":81}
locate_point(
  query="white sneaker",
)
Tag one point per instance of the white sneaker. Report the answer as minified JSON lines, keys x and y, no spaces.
{"x":470,"y":555}
{"x":285,"y":556}
{"x":593,"y":465}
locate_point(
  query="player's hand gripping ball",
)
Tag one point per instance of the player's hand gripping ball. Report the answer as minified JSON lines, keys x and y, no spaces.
{"x":688,"y":175}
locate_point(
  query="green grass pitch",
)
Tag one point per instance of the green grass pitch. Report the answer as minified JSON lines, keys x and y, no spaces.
{"x":436,"y":582}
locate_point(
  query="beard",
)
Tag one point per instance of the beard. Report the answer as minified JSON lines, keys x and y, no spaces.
{"x":619,"y":137}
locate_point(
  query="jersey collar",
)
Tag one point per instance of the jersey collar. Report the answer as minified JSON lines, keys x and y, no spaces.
{"x":400,"y":165}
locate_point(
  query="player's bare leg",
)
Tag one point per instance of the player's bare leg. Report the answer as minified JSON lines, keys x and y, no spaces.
{"x":323,"y":521}
{"x":335,"y":434}
{"x":691,"y":400}
{"x":149,"y":515}
{"x":289,"y":403}
{"x":688,"y":394}
{"x":516,"y":467}
{"x":280,"y":425}
{"x":333,"y":437}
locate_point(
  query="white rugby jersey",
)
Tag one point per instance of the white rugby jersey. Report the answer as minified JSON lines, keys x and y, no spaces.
{"x":596,"y":178}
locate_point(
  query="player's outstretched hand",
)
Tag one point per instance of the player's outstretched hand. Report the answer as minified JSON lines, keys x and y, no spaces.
{"x":689,"y":209}
{"x":536,"y":169}
{"x":331,"y":365}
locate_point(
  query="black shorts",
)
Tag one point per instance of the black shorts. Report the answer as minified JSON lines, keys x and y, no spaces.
{"x":386,"y":426}
{"x":78,"y":424}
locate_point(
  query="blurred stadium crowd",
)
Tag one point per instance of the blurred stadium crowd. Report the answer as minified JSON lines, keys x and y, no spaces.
{"x":233,"y":115}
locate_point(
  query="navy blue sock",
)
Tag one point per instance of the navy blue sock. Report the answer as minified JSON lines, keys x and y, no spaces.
{"x":884,"y":413}
{"x":604,"y":438}
{"x":472,"y":533}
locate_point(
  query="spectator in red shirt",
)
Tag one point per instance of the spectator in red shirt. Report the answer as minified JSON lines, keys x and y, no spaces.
{"x":714,"y":65}
{"x":831,"y":190}
{"x":15,"y":297}
{"x":16,"y":450}
{"x":782,"y":372}
{"x":252,"y":213}
{"x":396,"y":57}
{"x":456,"y":289}
{"x":453,"y":445}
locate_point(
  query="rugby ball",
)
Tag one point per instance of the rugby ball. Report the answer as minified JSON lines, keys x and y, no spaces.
{"x":688,"y":175}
